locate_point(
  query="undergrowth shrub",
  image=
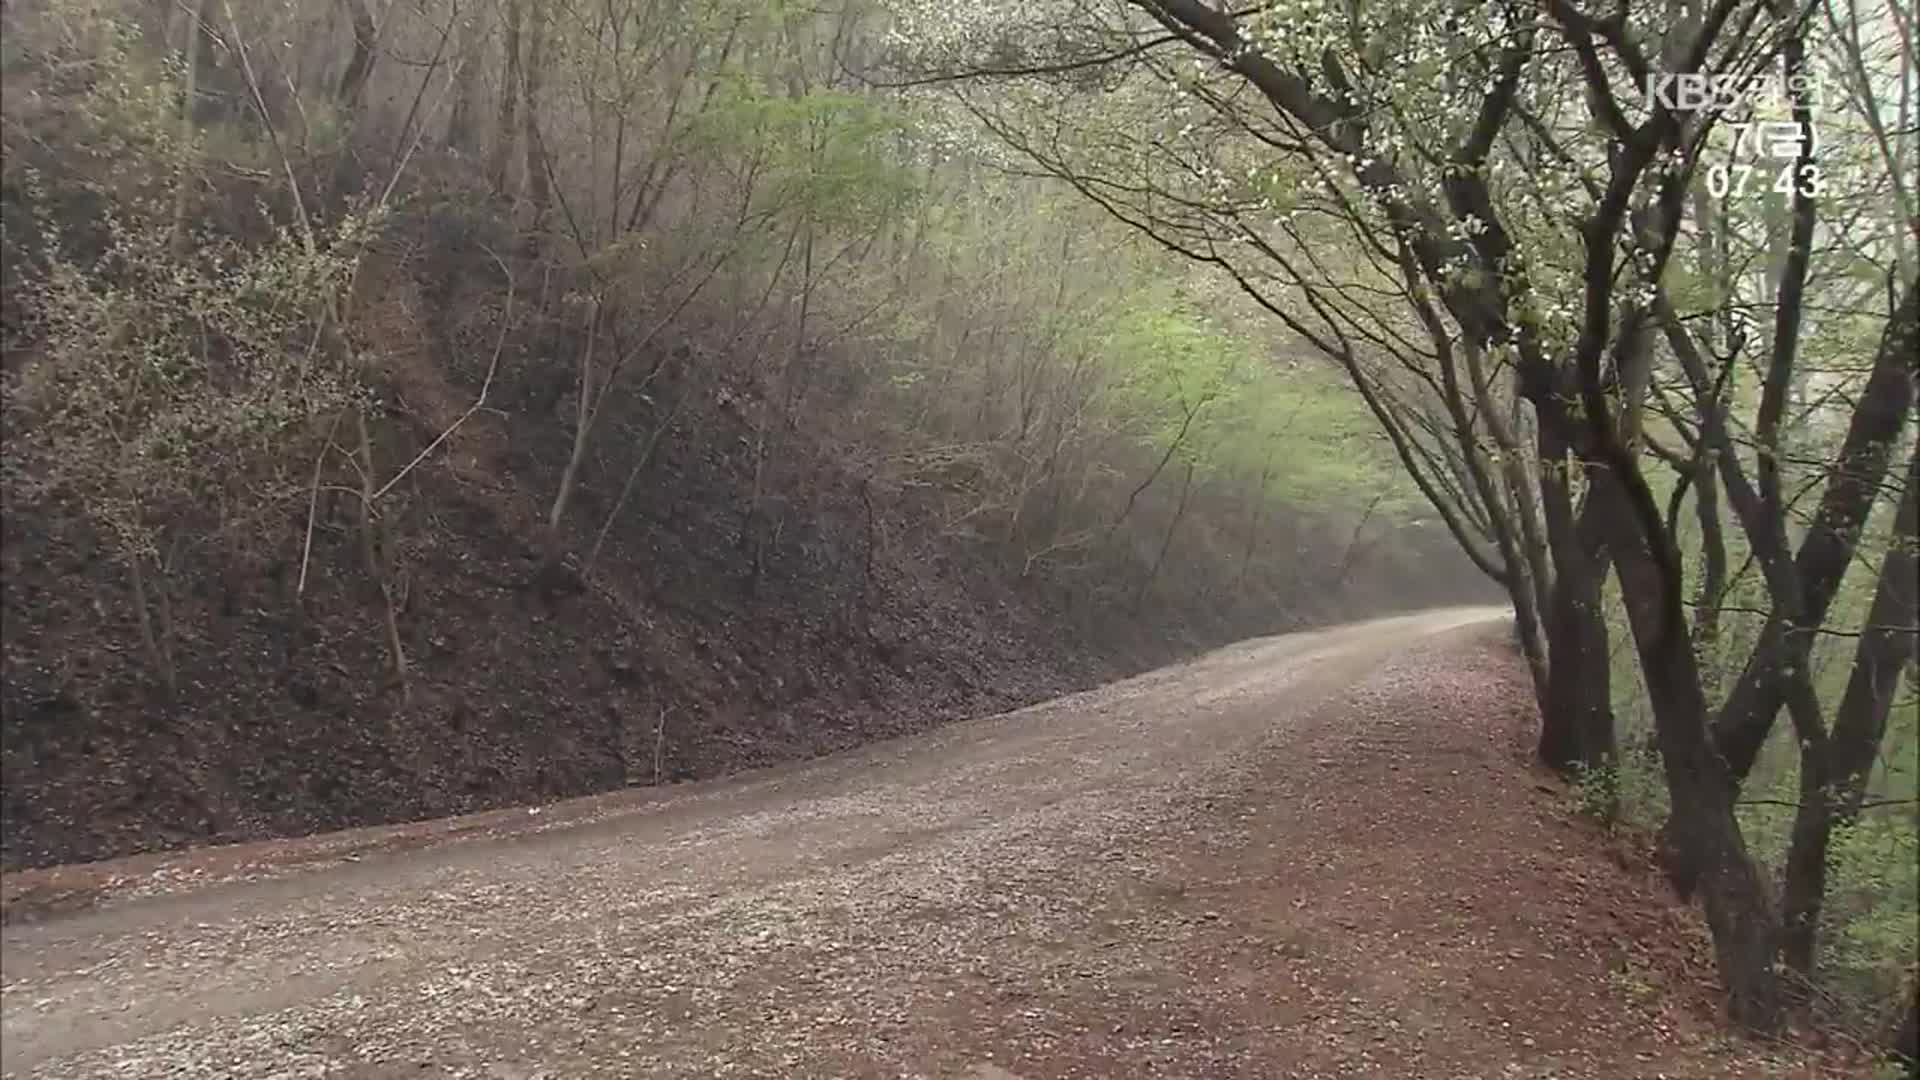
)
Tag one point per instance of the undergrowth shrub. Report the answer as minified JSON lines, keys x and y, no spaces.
{"x":171,"y":374}
{"x":1869,"y":936}
{"x":1628,"y":793}
{"x":1868,"y":924}
{"x":161,"y":377}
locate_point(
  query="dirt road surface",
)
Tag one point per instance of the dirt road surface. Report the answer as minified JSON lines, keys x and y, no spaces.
{"x":1312,"y":855}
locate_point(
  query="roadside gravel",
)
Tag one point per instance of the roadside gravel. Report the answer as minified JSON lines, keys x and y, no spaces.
{"x":1315,"y":855}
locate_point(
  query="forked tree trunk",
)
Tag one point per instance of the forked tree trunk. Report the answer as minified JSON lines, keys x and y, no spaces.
{"x":353,"y":82}
{"x":1880,"y":414}
{"x":1739,"y":907}
{"x":1166,"y":541}
{"x":1834,"y":771}
{"x":1576,"y":723}
{"x":1886,"y":649}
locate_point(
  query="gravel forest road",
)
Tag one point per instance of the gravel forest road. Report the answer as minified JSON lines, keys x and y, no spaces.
{"x":1086,"y":887}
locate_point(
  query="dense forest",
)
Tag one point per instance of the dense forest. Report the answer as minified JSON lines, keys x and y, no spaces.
{"x":421,"y":405}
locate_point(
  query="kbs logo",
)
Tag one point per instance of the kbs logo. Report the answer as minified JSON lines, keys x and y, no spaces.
{"x":1699,"y":91}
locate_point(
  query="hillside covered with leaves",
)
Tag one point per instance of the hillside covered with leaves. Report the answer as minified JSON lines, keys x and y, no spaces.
{"x":413,"y":409}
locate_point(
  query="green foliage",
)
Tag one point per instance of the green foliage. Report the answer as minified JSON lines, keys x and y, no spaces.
{"x":1166,"y":355}
{"x":1873,"y":894}
{"x":1889,"y":1069}
{"x":830,"y":157}
{"x":1633,"y":983}
{"x":1130,"y":348}
{"x":1252,"y":408}
{"x":1629,"y":792}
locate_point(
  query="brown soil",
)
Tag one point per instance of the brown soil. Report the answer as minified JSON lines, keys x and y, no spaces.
{"x":1317,"y":855}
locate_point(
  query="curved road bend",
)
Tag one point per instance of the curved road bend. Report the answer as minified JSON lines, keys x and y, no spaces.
{"x":840,"y":917}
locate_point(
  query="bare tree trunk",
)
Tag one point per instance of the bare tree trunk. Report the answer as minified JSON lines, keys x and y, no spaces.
{"x":1519,"y":483}
{"x":462,"y":126}
{"x":1256,"y":515}
{"x":1529,"y":620}
{"x":350,"y":96}
{"x":1713,"y":557}
{"x":1166,"y":541}
{"x":758,"y":527}
{"x":584,"y":411}
{"x":593,"y":392}
{"x":376,"y":565}
{"x":1576,"y":721}
{"x":1179,"y":439}
{"x":1577,"y":730}
{"x":660,"y":745}
{"x":1352,"y":553}
{"x":353,"y":81}
{"x":868,"y":579}
{"x":158,"y":645}
{"x":1520,"y":556}
{"x":189,"y":135}
{"x":509,"y":125}
{"x":539,"y":184}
